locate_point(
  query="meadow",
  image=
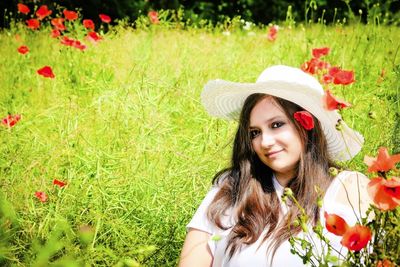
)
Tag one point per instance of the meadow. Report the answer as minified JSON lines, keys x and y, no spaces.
{"x":122,"y":125}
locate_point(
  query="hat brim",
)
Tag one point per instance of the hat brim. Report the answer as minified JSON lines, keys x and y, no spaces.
{"x":224,"y":99}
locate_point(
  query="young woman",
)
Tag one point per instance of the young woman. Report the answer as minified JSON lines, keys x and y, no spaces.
{"x":285,"y":138}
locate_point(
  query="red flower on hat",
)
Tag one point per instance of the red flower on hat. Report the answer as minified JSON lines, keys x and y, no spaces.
{"x":319,"y":52}
{"x":23,"y":49}
{"x":43,"y":12}
{"x":335,"y":224}
{"x":46,"y":72}
{"x":305,"y":119}
{"x":58,"y":24}
{"x":330,"y":102}
{"x":272,"y":33}
{"x":42,"y":196}
{"x":70,"y":15}
{"x":105,"y":18}
{"x":55,"y":33}
{"x":383,"y":162}
{"x":88,"y":24}
{"x":24,"y":9}
{"x":153,"y":16}
{"x":343,"y":77}
{"x":33,"y":24}
{"x":356,"y":237}
{"x":385,"y":192}
{"x":11,"y":120}
{"x":59,"y":183}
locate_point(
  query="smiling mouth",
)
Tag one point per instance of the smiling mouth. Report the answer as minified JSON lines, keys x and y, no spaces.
{"x":273,"y":153}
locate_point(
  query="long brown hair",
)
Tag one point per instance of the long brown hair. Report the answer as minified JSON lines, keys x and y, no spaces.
{"x":248,"y":189}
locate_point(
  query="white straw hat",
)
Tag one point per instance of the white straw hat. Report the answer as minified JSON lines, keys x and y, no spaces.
{"x":224,"y":99}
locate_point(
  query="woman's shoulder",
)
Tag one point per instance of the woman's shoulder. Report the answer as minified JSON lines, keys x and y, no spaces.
{"x":349,"y":189}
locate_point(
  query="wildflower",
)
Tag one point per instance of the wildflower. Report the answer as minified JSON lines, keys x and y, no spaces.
{"x":11,"y":120}
{"x":59,"y":183}
{"x":23,"y":49}
{"x":385,"y":193}
{"x":33,"y":24}
{"x":105,"y":18}
{"x":88,"y":24}
{"x":153,"y":16}
{"x":58,"y":24}
{"x":272,"y":33}
{"x":343,"y":77}
{"x":42,"y":196}
{"x":385,"y":263}
{"x":24,"y":9}
{"x":330,"y":102}
{"x":356,"y":237}
{"x":335,"y":224}
{"x":46,"y":72}
{"x":43,"y":12}
{"x":93,"y":37}
{"x":319,"y":52}
{"x":383,"y":162}
{"x":314,"y":65}
{"x":70,"y":15}
{"x":305,"y":119}
{"x":55,"y":33}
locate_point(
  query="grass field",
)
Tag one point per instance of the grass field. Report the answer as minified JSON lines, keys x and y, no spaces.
{"x":122,"y":124}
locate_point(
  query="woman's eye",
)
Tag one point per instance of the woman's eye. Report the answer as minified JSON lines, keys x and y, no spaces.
{"x":254,"y":133}
{"x":277,"y":124}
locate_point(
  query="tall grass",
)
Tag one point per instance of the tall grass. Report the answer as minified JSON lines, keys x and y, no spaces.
{"x":123,"y":125}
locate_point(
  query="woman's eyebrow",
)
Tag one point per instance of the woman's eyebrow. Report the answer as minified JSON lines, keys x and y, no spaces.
{"x":279,"y":117}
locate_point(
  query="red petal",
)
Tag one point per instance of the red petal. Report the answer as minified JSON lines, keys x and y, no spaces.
{"x":343,"y":77}
{"x":330,"y":102}
{"x":319,"y":52}
{"x":356,"y":237}
{"x":43,"y":12}
{"x":46,"y":71}
{"x":105,"y":18}
{"x":41,"y":196}
{"x":59,"y":183}
{"x":88,"y":24}
{"x":335,"y":224}
{"x":70,"y":15}
{"x":305,"y":119}
{"x":24,"y":9}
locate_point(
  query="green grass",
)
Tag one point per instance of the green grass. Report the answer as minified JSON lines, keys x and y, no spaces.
{"x":123,"y":125}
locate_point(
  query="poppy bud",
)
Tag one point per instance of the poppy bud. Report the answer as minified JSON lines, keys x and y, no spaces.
{"x":333,"y":171}
{"x":372,"y":115}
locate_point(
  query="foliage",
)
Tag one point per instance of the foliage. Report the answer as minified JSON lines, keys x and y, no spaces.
{"x":122,"y":125}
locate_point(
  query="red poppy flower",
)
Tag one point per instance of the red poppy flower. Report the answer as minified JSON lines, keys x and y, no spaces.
{"x":335,"y":224}
{"x":46,"y":72}
{"x":43,"y":12}
{"x":88,"y":24}
{"x":55,"y":33}
{"x":272,"y":33}
{"x":305,"y":119}
{"x":383,"y":162}
{"x":319,"y":52}
{"x":356,"y":237}
{"x":58,"y":24}
{"x":153,"y":16}
{"x":24,"y":9}
{"x":330,"y":102}
{"x":385,"y":263}
{"x":314,"y":65}
{"x":70,"y":15}
{"x":33,"y":24}
{"x":79,"y":45}
{"x":385,"y":193}
{"x":59,"y":183}
{"x":105,"y":18}
{"x":42,"y":196}
{"x":93,"y":37}
{"x":11,"y":120}
{"x":343,"y":77}
{"x":333,"y":70}
{"x":23,"y":49}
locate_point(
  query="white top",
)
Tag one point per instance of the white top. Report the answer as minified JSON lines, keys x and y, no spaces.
{"x":256,"y":255}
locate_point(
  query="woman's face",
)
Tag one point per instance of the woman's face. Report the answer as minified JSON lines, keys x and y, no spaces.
{"x":275,"y":139}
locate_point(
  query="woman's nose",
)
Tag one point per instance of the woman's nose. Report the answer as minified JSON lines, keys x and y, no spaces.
{"x":267,"y":141}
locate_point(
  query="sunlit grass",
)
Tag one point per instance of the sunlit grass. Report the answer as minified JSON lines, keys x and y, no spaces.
{"x":123,"y":125}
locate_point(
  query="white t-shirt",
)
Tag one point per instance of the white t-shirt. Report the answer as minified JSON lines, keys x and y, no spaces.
{"x":256,"y":255}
